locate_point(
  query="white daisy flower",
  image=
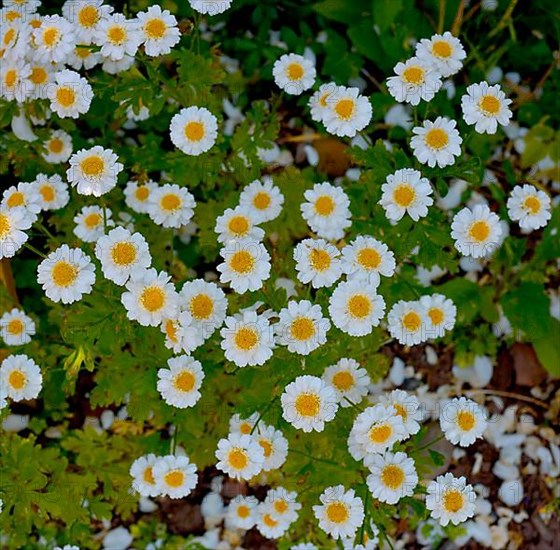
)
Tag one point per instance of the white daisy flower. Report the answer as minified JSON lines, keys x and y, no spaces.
{"x":122,"y":253}
{"x":13,"y":223}
{"x":58,"y":147}
{"x":246,"y":265}
{"x":142,"y":473}
{"x":194,"y":130}
{"x":407,"y":322}
{"x":392,"y":477}
{"x":20,"y":378}
{"x":349,"y":381}
{"x":235,"y":224}
{"x":66,"y":274}
{"x":462,"y":421}
{"x":175,"y":476}
{"x":340,"y":513}
{"x":24,"y":195}
{"x":440,"y":314}
{"x":406,"y":192}
{"x":327,"y":210}
{"x":211,"y":7}
{"x":247,"y":339}
{"x":366,"y":258}
{"x":242,"y":512}
{"x":170,"y":205}
{"x":436,"y":142}
{"x":529,"y":207}
{"x":348,"y":113}
{"x":407,"y":407}
{"x":415,"y":80}
{"x":40,"y":79}
{"x":262,"y":199}
{"x":240,"y":425}
{"x":476,"y":232}
{"x":136,"y":195}
{"x":319,"y":102}
{"x":94,"y":171}
{"x":117,"y":36}
{"x":307,"y":403}
{"x":283,"y":504}
{"x":84,"y":57}
{"x":150,"y":297}
{"x":377,"y":429}
{"x":486,"y":106}
{"x":13,"y":35}
{"x":54,"y":39}
{"x":111,"y":66}
{"x":275,"y":446}
{"x":179,"y":384}
{"x":301,"y":327}
{"x":16,"y":327}
{"x":90,"y":223}
{"x":443,"y":52}
{"x":70,"y":95}
{"x":159,"y":30}
{"x":450,"y":499}
{"x":181,"y":334}
{"x":52,"y":190}
{"x":304,"y":546}
{"x":14,"y":74}
{"x":85,"y":16}
{"x":294,"y":73}
{"x":317,"y":262}
{"x":239,"y":456}
{"x":269,"y":526}
{"x":355,"y":307}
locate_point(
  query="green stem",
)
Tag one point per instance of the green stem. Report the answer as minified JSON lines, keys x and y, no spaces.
{"x":384,"y":535}
{"x":33,"y":249}
{"x":366,"y":503}
{"x":265,"y":410}
{"x":430,"y":443}
{"x":174,"y":447}
{"x":45,"y":230}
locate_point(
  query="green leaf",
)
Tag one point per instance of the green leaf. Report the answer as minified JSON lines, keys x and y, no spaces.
{"x":437,"y":458}
{"x":385,"y":12}
{"x":527,"y":308}
{"x":548,"y":348}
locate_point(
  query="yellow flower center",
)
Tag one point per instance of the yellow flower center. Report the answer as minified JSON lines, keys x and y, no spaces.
{"x":171,"y":330}
{"x":194,"y":130}
{"x":38,"y":76}
{"x":10,"y":78}
{"x":16,"y":199}
{"x":436,"y":138}
{"x":324,"y":205}
{"x":261,"y":201}
{"x":392,"y":476}
{"x":466,"y":420}
{"x":17,"y":379}
{"x":412,"y":321}
{"x":246,"y":338}
{"x":9,"y":36}
{"x":323,"y":99}
{"x":15,"y":327}
{"x":337,"y":512}
{"x":174,"y":478}
{"x":359,"y":306}
{"x":302,"y":328}
{"x":320,"y":260}
{"x":404,"y":195}
{"x":201,"y":306}
{"x":47,"y":192}
{"x":268,"y":521}
{"x":413,"y":75}
{"x":380,"y":434}
{"x":239,"y":225}
{"x":266,"y":447}
{"x":56,"y":145}
{"x":170,"y":202}
{"x":155,"y":28}
{"x":343,"y":380}
{"x":245,"y":428}
{"x":82,"y":53}
{"x":92,"y":166}
{"x":243,"y":511}
{"x":116,"y":35}
{"x":242,"y":262}
{"x":12,"y":16}
{"x":88,"y":16}
{"x":401,"y":411}
{"x":91,"y":221}
{"x":185,"y":381}
{"x":64,"y":274}
{"x":5,"y":225}
{"x":453,"y":500}
{"x":51,"y":36}
{"x":142,"y":193}
{"x":307,"y":404}
{"x":152,"y":298}
{"x":123,"y":253}
{"x":344,"y":108}
{"x":489,"y":104}
{"x":295,"y":71}
{"x":66,"y":96}
{"x":238,"y":459}
{"x":369,"y":258}
{"x":533,"y":204}
{"x":149,"y":476}
{"x":479,"y":231}
{"x":441,"y":48}
{"x":280,"y":506}
{"x":436,"y":315}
